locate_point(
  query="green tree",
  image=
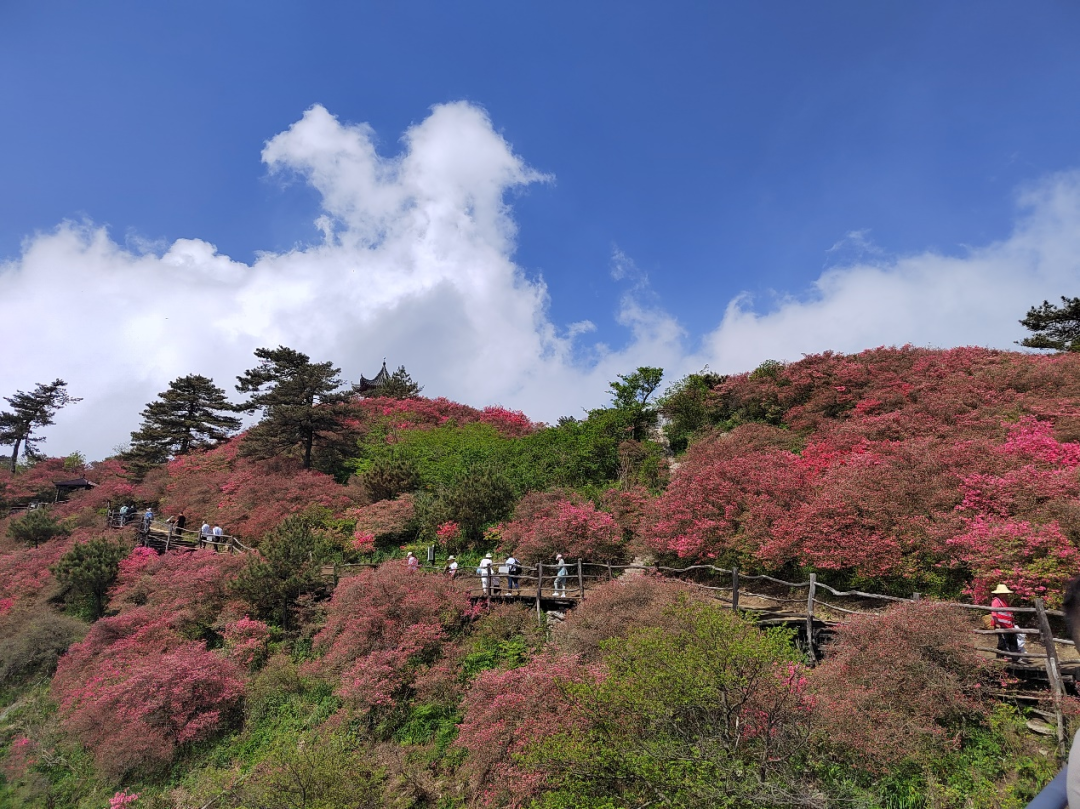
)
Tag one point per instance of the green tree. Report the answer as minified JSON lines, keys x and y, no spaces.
{"x":35,"y":527}
{"x":298,"y":399}
{"x":400,"y":385}
{"x":28,"y":412}
{"x":1055,"y":327}
{"x":87,"y":571}
{"x":190,"y":415}
{"x":706,"y":711}
{"x":285,"y":566}
{"x":687,"y":408}
{"x":631,"y":394}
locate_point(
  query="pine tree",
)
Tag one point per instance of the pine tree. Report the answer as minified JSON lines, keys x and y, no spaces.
{"x":186,"y":417}
{"x":298,"y":399}
{"x":88,"y":570}
{"x":1055,"y":328}
{"x":29,"y":411}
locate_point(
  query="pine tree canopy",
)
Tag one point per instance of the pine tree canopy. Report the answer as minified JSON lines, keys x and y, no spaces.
{"x":296,"y":397}
{"x":1056,"y":328}
{"x":29,"y":411}
{"x":190,"y":415}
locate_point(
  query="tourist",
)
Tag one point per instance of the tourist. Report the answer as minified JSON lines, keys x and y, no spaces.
{"x":1003,"y":619}
{"x":181,"y":522}
{"x":218,"y":533}
{"x":485,"y":574}
{"x":204,"y":534}
{"x":513,"y":570}
{"x":412,"y":561}
{"x":123,"y":515}
{"x":560,"y":577}
{"x":451,"y":568}
{"x":148,"y":517}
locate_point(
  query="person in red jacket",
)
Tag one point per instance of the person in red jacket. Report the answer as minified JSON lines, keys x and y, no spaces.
{"x":1003,"y":619}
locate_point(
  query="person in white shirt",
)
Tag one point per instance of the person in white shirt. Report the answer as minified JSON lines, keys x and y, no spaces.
{"x":513,"y":570}
{"x":485,"y":574}
{"x":451,"y":567}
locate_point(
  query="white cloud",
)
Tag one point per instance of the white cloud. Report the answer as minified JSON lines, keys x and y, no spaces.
{"x":415,"y":265}
{"x":925,"y":299}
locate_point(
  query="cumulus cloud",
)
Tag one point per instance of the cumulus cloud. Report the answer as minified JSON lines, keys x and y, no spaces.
{"x":415,"y":264}
{"x":925,"y":299}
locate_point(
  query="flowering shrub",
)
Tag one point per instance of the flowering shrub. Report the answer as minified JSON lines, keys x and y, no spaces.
{"x":387,"y":520}
{"x":448,"y":533}
{"x":905,"y":684}
{"x":246,"y":497}
{"x":246,"y":641}
{"x":504,"y":713}
{"x":546,"y":523}
{"x":363,"y":541}
{"x":122,"y":799}
{"x":134,"y":690}
{"x":382,"y":626}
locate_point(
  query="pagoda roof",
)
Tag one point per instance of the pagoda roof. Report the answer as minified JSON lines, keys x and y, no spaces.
{"x":380,"y":379}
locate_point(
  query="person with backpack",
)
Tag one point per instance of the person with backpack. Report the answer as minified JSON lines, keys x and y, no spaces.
{"x":513,"y":570}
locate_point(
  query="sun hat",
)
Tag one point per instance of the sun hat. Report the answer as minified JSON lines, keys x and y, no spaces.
{"x":450,"y":559}
{"x":1001,"y":589}
{"x":487,"y":555}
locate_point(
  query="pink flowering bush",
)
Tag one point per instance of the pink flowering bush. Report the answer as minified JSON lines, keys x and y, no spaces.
{"x":448,"y":534}
{"x":246,"y":641}
{"x":880,"y":700}
{"x":548,"y":523}
{"x":505,"y":713}
{"x":122,"y":799}
{"x":133,"y":691}
{"x":386,"y":520}
{"x":383,"y":628}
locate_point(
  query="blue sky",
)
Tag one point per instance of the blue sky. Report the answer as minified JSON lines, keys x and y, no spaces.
{"x":718,"y":150}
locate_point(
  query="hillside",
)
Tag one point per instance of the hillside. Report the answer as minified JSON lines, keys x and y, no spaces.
{"x":251,"y":680}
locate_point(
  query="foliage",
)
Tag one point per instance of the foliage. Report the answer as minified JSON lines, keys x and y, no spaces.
{"x":320,"y":769}
{"x":186,"y":417}
{"x":400,"y":385}
{"x":907,"y":684}
{"x":617,"y":608}
{"x":686,"y":408}
{"x":32,"y":640}
{"x":506,"y":711}
{"x":546,"y":523}
{"x":473,"y":501}
{"x":382,"y":627}
{"x":631,"y":394}
{"x":299,"y":400}
{"x":132,"y":694}
{"x":387,"y":520}
{"x":28,"y":412}
{"x":390,"y":476}
{"x":246,"y":641}
{"x":88,"y":569}
{"x":714,"y":713}
{"x":283,"y":568}
{"x":1054,"y":327}
{"x":246,"y":496}
{"x":35,"y":527}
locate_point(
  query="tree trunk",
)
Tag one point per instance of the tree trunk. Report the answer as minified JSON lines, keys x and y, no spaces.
{"x":307,"y":450}
{"x":15,"y":454}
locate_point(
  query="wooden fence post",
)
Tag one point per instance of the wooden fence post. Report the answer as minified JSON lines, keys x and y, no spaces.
{"x":734,"y":588}
{"x":1052,"y":671}
{"x":539,"y":588}
{"x":810,"y":616}
{"x":580,"y":579}
{"x":916,"y":596}
{"x":609,"y":575}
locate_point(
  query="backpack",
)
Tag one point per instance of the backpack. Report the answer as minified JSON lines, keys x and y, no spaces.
{"x":515,"y":569}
